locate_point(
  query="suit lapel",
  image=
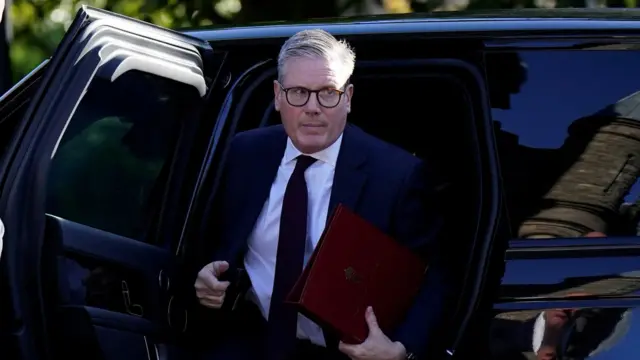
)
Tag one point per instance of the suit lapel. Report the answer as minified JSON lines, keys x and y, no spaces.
{"x":349,"y":178}
{"x":258,"y":179}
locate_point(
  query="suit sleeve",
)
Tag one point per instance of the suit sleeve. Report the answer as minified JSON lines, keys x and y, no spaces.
{"x":417,"y":223}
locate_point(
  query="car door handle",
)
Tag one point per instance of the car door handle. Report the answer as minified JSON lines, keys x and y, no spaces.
{"x":132,"y":309}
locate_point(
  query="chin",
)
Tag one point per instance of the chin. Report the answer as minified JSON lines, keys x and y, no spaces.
{"x":311,"y":144}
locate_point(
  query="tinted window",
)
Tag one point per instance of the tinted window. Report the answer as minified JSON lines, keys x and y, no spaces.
{"x":14,"y":105}
{"x":568,"y":128}
{"x":111,"y":166}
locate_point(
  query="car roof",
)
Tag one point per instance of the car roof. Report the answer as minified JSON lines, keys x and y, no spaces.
{"x":508,"y":20}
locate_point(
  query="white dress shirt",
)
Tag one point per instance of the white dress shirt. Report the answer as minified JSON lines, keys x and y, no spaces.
{"x":260,"y":260}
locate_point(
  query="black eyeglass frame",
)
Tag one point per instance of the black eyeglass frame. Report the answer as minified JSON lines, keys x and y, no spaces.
{"x":309,"y":92}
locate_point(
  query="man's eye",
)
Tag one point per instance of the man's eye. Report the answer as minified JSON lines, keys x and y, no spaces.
{"x":299,"y":91}
{"x":329,"y":92}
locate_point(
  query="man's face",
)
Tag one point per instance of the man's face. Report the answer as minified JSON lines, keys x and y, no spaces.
{"x":316,"y":124}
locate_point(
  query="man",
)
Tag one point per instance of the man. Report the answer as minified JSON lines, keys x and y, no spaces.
{"x":279,"y":185}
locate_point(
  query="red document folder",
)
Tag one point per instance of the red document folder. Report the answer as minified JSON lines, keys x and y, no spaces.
{"x":355,"y":265}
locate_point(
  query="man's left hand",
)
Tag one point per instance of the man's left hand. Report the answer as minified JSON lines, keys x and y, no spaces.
{"x":377,"y":346}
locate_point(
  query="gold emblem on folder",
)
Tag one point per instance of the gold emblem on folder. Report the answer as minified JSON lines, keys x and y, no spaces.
{"x":351,"y":275}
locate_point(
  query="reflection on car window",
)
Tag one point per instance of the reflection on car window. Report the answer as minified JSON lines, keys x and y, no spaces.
{"x":109,"y":169}
{"x":568,"y":130}
{"x":571,"y":333}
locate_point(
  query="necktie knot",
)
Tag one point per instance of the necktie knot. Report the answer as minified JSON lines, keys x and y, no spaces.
{"x":303,"y":162}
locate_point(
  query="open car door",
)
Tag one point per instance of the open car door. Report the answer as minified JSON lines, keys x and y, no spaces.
{"x":85,"y":182}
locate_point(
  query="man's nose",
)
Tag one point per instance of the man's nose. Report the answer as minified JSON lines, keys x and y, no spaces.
{"x":312,"y":105}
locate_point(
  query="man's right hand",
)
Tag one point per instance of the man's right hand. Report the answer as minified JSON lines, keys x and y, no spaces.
{"x":209,"y":290}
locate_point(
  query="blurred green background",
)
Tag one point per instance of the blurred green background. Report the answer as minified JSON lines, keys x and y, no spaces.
{"x":33,"y":28}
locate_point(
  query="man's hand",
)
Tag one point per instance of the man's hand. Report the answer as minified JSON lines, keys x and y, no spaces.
{"x":377,"y":346}
{"x":209,"y":290}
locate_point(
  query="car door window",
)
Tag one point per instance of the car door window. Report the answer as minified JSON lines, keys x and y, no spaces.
{"x":569,"y":141}
{"x":111,"y":164}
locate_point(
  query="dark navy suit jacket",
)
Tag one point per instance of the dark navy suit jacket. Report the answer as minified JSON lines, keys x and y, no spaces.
{"x":382,"y":183}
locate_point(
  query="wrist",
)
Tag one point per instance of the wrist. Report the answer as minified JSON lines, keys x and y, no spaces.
{"x":401,"y":351}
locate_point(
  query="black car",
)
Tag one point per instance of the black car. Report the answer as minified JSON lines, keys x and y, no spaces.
{"x":111,"y":151}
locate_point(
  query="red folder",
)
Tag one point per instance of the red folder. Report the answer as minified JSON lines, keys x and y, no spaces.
{"x":355,"y":265}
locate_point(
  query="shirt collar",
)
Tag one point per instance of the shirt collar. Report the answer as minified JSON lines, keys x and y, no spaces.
{"x":328,"y":155}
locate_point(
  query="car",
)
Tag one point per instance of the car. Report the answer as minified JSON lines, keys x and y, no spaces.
{"x":111,"y":151}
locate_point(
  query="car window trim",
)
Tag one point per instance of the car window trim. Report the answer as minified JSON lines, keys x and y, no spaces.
{"x":37,"y":71}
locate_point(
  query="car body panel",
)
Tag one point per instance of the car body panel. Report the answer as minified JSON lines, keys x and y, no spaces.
{"x":508,"y":23}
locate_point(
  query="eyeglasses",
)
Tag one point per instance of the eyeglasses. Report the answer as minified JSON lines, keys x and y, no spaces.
{"x":299,"y":96}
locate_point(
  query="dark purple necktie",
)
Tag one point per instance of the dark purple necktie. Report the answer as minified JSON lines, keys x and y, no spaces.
{"x":283,"y":318}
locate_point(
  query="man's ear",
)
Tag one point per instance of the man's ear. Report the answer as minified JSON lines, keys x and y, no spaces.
{"x":276,"y":95}
{"x":348,"y":93}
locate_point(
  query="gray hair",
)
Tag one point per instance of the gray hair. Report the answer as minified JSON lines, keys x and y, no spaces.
{"x":318,"y":43}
